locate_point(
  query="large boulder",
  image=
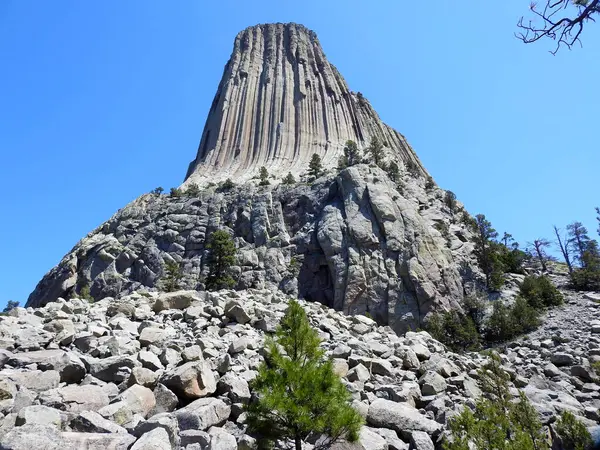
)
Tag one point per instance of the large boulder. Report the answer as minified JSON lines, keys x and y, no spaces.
{"x":202,"y":414}
{"x":176,"y":300}
{"x":400,"y":417}
{"x":114,"y":368}
{"x":75,"y":399}
{"x":140,"y":399}
{"x":191,"y":380}
{"x":70,"y":368}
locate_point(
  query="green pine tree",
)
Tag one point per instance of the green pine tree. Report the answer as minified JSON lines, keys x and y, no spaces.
{"x":289,"y":179}
{"x":486,"y":252}
{"x":496,"y":423}
{"x":220,"y":258}
{"x":192,"y":190}
{"x":171,"y":278}
{"x":264,"y":176}
{"x":573,"y":434}
{"x":175,"y":192}
{"x":315,"y":166}
{"x":350,"y":157}
{"x":375,"y":150}
{"x":298,"y":391}
{"x":393,"y":172}
{"x":12,"y":304}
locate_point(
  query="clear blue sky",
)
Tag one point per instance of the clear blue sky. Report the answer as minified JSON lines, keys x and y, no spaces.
{"x":102,"y":101}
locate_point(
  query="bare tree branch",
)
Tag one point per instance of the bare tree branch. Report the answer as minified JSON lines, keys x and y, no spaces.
{"x":566,"y":30}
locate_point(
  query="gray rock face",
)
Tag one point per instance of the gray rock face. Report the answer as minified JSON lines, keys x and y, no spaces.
{"x":353,"y":242}
{"x":280,"y":101}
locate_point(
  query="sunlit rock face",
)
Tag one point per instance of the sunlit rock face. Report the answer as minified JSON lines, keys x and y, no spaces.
{"x":280,"y":101}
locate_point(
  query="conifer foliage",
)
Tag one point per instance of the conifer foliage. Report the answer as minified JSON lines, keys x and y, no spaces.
{"x":350,"y":157}
{"x":172,"y":275}
{"x":220,"y":259}
{"x":497,"y":423}
{"x":315,"y":166}
{"x":298,"y":392}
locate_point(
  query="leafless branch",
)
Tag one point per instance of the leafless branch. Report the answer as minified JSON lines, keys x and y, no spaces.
{"x":565,"y":30}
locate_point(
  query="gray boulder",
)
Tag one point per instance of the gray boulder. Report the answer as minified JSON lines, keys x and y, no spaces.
{"x":400,"y":417}
{"x":191,"y":380}
{"x":202,"y":414}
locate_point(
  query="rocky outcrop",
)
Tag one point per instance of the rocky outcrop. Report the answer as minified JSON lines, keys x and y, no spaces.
{"x":280,"y":101}
{"x":355,"y":242}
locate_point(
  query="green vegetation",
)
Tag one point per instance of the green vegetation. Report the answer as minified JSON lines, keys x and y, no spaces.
{"x":540,"y":292}
{"x":315,"y":166}
{"x":157,"y":191}
{"x":192,"y":190}
{"x":450,"y":200}
{"x":497,"y":423}
{"x":227,"y":185}
{"x":375,"y":151}
{"x":220,"y":258}
{"x":487,"y":254}
{"x":429,"y":184}
{"x":573,"y":434}
{"x":175,"y":192}
{"x":412,"y":168}
{"x":172,"y":276}
{"x":289,"y":179}
{"x":12,"y":304}
{"x":350,"y":157}
{"x":455,"y":330}
{"x":464,"y":332}
{"x":264,"y":176}
{"x":298,"y":392}
{"x":510,"y":259}
{"x":393,"y":172}
{"x":506,"y":322}
{"x":294,"y":266}
{"x":581,"y":254}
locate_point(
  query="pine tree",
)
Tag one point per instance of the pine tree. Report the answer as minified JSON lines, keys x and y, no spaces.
{"x":450,"y":200}
{"x":393,"y":172}
{"x":375,"y":149}
{"x":298,"y":391}
{"x":289,"y":179}
{"x":264,"y":176}
{"x":220,"y":258}
{"x":12,"y":304}
{"x":539,"y":246}
{"x":350,"y":157}
{"x":486,"y":253}
{"x":175,"y":192}
{"x":158,"y":191}
{"x":506,"y":238}
{"x":497,"y":423}
{"x":573,"y":434}
{"x":227,"y":185}
{"x":192,"y":190}
{"x":579,"y":236}
{"x":315,"y":167}
{"x":172,"y":276}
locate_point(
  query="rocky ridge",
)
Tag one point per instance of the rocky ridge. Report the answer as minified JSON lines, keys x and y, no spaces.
{"x":354,"y":241}
{"x":172,"y":370}
{"x":278,"y":102}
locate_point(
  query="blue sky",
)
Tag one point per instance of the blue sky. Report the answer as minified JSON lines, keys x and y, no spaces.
{"x":103,"y":101}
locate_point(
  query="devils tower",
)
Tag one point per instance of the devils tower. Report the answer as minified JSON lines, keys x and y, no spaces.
{"x":280,"y":101}
{"x":359,"y":239}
